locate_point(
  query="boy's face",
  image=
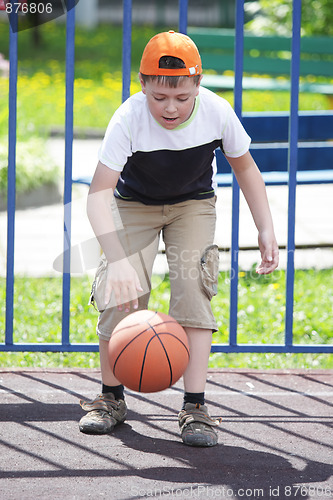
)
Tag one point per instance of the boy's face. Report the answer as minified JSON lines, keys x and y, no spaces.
{"x":170,"y":106}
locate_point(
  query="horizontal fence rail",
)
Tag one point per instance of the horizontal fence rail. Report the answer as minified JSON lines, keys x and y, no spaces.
{"x":233,"y":344}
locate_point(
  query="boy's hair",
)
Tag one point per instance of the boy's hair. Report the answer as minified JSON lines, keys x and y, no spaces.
{"x":169,"y":62}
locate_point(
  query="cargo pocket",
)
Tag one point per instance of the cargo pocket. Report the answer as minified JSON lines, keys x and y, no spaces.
{"x":98,"y":287}
{"x":209,"y":270}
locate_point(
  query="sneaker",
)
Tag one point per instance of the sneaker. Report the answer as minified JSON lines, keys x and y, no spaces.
{"x":104,"y":413}
{"x":196,"y":426}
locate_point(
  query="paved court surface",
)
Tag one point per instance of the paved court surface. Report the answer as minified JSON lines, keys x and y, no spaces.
{"x":275,"y":440}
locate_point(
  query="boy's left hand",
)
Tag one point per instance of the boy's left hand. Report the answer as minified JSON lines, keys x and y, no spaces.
{"x":269,"y":253}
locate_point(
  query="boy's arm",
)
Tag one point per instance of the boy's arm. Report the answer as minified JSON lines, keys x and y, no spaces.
{"x":253,"y":187}
{"x":122,"y":279}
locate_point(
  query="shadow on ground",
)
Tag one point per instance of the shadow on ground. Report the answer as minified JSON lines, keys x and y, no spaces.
{"x":275,"y":440}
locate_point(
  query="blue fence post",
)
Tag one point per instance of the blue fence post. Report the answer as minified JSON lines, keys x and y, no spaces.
{"x":239,"y":49}
{"x":127,"y":44}
{"x":183,"y":11}
{"x":11,"y":179}
{"x":292,"y":169}
{"x":69,"y":123}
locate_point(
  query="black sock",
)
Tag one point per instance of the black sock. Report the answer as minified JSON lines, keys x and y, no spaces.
{"x":194,"y":397}
{"x":117,"y":390}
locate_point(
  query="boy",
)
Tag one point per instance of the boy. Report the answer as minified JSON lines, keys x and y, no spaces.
{"x":157,"y":164}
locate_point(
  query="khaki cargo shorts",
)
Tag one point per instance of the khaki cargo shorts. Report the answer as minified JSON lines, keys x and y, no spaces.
{"x":188,"y":230}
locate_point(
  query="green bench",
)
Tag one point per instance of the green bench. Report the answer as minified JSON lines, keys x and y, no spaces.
{"x":266,"y":62}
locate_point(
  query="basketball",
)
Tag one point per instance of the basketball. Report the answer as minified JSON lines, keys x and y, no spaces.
{"x":148,"y":351}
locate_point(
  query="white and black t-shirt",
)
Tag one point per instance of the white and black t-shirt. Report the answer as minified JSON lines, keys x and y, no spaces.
{"x":160,"y":166}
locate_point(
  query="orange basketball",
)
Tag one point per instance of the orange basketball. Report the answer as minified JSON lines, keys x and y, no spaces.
{"x":148,"y":351}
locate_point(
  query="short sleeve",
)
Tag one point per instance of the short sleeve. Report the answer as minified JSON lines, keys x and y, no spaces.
{"x":235,"y":139}
{"x":116,"y":146}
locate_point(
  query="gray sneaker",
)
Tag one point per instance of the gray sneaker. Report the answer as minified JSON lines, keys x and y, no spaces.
{"x":104,"y":413}
{"x":196,"y":426}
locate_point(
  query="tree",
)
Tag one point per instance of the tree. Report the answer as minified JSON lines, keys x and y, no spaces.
{"x":275,"y":17}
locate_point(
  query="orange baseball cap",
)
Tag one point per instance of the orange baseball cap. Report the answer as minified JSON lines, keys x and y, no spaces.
{"x":171,"y":44}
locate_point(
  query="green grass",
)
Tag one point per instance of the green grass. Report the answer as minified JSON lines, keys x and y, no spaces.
{"x":41,"y":77}
{"x":96,"y":51}
{"x":37,"y":314}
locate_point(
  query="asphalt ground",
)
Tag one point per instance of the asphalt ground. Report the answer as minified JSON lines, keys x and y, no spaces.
{"x":275,"y":439}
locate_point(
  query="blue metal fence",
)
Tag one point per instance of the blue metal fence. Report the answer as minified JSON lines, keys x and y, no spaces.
{"x":233,"y":345}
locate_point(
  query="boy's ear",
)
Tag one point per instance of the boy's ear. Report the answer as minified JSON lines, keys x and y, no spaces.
{"x":143,"y":86}
{"x":198,"y":86}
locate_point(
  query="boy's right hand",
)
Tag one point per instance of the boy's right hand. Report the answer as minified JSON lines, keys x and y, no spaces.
{"x":122,"y":279}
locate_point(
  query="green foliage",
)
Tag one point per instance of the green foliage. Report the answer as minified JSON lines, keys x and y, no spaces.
{"x":275,"y":17}
{"x":98,"y":81}
{"x":261,"y":316}
{"x":34,"y":167}
{"x":41,"y":77}
{"x":97,"y":51}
